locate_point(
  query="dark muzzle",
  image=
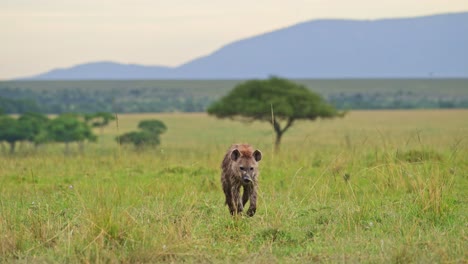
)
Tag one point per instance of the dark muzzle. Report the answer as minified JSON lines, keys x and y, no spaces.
{"x":246,"y":179}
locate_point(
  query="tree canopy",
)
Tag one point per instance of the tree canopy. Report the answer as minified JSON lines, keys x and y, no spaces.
{"x":154,"y":126}
{"x":11,"y":132}
{"x":27,"y":127}
{"x":35,"y":127}
{"x":275,"y":100}
{"x":140,"y":139}
{"x":149,"y":133}
{"x":68,"y":128}
{"x":99,"y":119}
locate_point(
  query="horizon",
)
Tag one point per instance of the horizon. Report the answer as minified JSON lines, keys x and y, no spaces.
{"x":65,"y":37}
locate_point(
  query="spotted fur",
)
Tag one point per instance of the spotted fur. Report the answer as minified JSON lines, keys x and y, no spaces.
{"x":240,"y":169}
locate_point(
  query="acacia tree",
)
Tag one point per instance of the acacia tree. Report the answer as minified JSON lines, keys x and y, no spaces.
{"x":140,"y":139}
{"x":68,"y":128}
{"x":275,"y":100}
{"x":153,"y":126}
{"x":99,"y":119}
{"x":35,"y":127}
{"x":148,"y":136}
{"x":28,"y":127}
{"x":11,"y":132}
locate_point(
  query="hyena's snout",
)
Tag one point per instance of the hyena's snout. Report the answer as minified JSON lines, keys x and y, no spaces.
{"x":246,"y":178}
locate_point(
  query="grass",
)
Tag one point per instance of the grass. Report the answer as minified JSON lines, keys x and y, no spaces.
{"x":376,"y":186}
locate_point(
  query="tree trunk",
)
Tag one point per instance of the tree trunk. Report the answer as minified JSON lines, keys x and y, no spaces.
{"x":280,"y":131}
{"x":81,"y":146}
{"x":67,"y":148}
{"x":278,"y":140}
{"x":12,"y":147}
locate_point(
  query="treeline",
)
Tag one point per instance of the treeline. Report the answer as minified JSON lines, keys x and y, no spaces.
{"x":37,"y":129}
{"x":196,"y":95}
{"x":396,"y":100}
{"x":18,"y":106}
{"x":89,"y":100}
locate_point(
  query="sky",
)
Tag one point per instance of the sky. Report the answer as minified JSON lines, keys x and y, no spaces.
{"x":39,"y":35}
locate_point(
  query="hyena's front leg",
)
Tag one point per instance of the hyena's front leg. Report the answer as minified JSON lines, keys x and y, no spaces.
{"x":253,"y":201}
{"x":228,"y":194}
{"x":246,"y":195}
{"x":236,"y":201}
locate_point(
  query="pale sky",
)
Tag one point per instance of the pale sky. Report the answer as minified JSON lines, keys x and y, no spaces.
{"x":40,"y":35}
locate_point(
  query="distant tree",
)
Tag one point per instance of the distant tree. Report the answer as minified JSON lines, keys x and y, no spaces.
{"x":153,"y":126}
{"x":275,"y":100}
{"x":148,"y":136}
{"x":68,"y":128}
{"x":34,"y":125}
{"x":99,"y":119}
{"x":140,"y":139}
{"x":11,"y":132}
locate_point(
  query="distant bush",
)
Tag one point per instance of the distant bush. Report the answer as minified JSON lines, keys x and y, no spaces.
{"x":147,"y":137}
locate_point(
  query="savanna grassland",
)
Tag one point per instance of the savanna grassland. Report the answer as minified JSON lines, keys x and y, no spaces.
{"x":156,"y":96}
{"x":372,"y":187}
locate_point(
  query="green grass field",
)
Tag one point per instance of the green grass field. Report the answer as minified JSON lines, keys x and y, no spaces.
{"x":373,"y":187}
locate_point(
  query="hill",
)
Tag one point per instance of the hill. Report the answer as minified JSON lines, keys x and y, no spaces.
{"x":422,"y":47}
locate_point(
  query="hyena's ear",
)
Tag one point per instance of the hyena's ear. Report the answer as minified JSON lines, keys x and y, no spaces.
{"x":257,"y":155}
{"x":235,"y":154}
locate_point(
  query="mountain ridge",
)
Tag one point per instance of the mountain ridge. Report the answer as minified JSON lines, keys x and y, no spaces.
{"x":417,"y":47}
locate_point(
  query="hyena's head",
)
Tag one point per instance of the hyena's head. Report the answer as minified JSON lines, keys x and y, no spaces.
{"x":245,"y":164}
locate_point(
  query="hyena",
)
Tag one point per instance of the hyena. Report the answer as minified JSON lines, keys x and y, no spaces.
{"x":240,"y":168}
